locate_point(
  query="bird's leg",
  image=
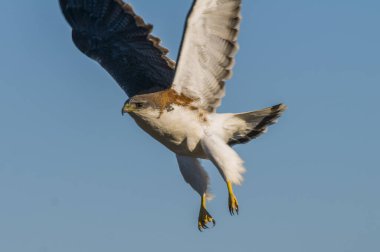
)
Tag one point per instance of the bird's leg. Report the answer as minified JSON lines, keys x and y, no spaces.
{"x":233,"y":205}
{"x":204,"y":216}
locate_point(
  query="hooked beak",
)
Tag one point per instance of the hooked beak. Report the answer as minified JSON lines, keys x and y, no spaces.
{"x":128,"y":108}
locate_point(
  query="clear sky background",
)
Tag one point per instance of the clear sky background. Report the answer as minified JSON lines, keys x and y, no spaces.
{"x":77,"y":176}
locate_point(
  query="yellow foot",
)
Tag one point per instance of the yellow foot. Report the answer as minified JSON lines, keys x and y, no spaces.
{"x":204,"y":217}
{"x":233,"y":205}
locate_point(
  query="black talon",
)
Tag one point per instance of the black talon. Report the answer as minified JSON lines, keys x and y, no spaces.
{"x":232,"y":211}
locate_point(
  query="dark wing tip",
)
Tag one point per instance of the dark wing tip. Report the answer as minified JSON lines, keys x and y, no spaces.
{"x":156,"y":42}
{"x":110,"y":32}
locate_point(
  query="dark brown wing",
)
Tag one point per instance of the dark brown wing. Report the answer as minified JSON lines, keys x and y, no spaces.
{"x":109,"y":32}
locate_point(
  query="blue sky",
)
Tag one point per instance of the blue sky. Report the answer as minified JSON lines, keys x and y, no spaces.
{"x":77,"y":176}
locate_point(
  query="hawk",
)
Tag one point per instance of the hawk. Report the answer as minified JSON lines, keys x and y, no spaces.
{"x":173,"y":102}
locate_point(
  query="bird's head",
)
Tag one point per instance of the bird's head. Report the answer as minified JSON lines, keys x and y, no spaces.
{"x":139,"y":105}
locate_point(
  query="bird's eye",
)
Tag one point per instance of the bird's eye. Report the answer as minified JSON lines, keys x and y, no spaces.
{"x":139,"y":105}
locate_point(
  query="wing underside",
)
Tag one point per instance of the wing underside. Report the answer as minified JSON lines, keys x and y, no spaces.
{"x":207,"y":52}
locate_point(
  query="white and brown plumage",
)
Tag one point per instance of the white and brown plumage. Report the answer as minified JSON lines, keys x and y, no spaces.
{"x":176,"y":104}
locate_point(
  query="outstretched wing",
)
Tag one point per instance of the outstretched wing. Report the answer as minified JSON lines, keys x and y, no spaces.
{"x":109,"y":32}
{"x":207,"y":52}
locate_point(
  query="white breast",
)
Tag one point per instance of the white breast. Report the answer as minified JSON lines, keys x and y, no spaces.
{"x":180,"y":130}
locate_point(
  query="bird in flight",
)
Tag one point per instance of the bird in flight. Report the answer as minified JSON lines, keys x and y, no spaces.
{"x":176,"y":102}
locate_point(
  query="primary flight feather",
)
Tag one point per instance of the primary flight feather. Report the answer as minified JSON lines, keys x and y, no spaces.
{"x":176,"y":104}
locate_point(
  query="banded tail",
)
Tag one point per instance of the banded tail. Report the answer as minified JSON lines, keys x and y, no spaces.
{"x":252,"y":124}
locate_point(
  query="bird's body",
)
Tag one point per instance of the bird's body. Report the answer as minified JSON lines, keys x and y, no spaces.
{"x":176,"y":102}
{"x":179,"y":129}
